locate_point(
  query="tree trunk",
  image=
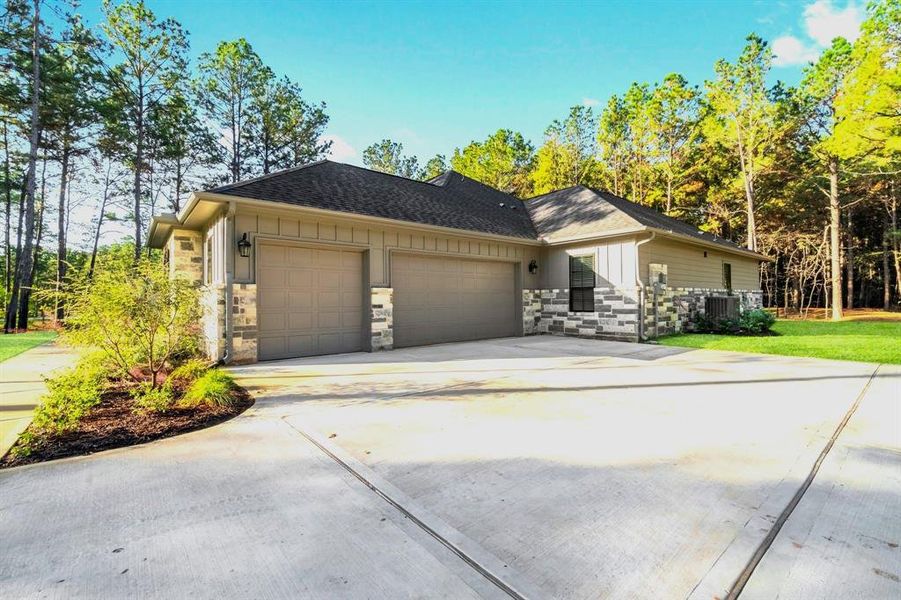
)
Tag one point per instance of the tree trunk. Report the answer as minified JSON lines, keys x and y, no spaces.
{"x":9,"y":323}
{"x":896,"y":238}
{"x":8,"y":198}
{"x":106,"y":186}
{"x":61,"y":258}
{"x":25,"y":288}
{"x":39,"y":234}
{"x":849,"y":264}
{"x":835,"y":226}
{"x":886,"y":270}
{"x":139,"y":163}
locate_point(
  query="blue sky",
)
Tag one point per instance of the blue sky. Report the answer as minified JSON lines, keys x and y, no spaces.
{"x":436,"y":75}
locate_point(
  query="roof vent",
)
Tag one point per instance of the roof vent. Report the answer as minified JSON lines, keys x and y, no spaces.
{"x":502,"y":205}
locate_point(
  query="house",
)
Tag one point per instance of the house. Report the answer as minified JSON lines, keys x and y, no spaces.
{"x":328,"y":258}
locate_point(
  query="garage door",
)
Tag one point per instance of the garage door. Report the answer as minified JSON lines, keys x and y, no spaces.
{"x":309,"y":301}
{"x":439,"y":299}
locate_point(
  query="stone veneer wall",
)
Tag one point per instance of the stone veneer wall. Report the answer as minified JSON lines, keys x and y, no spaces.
{"x":615,"y":316}
{"x":381,"y":318}
{"x":212,"y":323}
{"x":244,"y":323}
{"x":676,"y":309}
{"x":185,"y":254}
{"x":531,"y":312}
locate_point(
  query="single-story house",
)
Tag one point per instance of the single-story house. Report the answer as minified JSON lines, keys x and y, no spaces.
{"x":328,"y":258}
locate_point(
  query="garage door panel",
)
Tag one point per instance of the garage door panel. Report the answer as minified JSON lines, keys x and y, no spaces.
{"x":443,"y":299}
{"x":309,"y":301}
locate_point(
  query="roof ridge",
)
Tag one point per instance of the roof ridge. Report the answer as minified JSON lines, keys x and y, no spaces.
{"x":237,"y":184}
{"x":578,"y":185}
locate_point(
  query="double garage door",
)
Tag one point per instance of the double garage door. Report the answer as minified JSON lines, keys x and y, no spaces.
{"x":311,"y":301}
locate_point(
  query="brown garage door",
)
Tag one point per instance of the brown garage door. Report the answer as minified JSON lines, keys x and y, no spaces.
{"x":438,"y":299}
{"x":310,"y":301}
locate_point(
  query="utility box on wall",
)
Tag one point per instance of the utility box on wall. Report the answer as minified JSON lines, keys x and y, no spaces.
{"x":657,"y":276}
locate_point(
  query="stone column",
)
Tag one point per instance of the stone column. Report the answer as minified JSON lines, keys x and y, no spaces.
{"x":185,"y":255}
{"x":244,"y":323}
{"x":381,"y":318}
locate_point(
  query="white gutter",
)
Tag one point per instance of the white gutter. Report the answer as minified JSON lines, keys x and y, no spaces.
{"x":640,"y":285}
{"x":229,"y":250}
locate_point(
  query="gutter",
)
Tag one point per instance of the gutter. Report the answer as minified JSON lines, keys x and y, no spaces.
{"x":638,"y":282}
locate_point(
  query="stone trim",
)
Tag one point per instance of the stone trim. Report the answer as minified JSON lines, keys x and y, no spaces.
{"x":615,"y":315}
{"x":212,"y":323}
{"x":381,"y":318}
{"x":531,"y":312}
{"x":244,"y":323}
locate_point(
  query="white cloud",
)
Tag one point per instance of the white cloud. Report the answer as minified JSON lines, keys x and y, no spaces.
{"x":789,"y":51}
{"x":823,"y":22}
{"x":589,"y":102}
{"x":340,"y":150}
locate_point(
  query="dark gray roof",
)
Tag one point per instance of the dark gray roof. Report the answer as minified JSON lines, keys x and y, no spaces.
{"x":450,"y":200}
{"x":580,"y":211}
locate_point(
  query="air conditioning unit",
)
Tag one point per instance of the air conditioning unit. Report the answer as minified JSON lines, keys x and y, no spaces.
{"x":721,"y":307}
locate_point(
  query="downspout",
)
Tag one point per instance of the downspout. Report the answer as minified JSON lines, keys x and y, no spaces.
{"x":641,"y":334}
{"x":229,"y":249}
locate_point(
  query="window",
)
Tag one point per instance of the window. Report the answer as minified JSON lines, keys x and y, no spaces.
{"x":208,"y":276}
{"x":727,"y":276}
{"x":581,"y":283}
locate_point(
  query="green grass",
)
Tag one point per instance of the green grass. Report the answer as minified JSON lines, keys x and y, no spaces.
{"x":12,"y":344}
{"x":867,"y":341}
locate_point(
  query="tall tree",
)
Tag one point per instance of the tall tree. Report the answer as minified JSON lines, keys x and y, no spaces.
{"x":388,"y":157}
{"x":229,"y":78}
{"x":17,"y":308}
{"x":501,"y":161}
{"x":569,"y":155}
{"x":614,"y":141}
{"x":742,"y":117}
{"x":674,"y":122}
{"x":819,"y":92}
{"x":152,"y":52}
{"x":434,"y":167}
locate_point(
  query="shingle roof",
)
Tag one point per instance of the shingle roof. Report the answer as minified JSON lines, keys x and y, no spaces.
{"x":450,"y":200}
{"x":579,"y":211}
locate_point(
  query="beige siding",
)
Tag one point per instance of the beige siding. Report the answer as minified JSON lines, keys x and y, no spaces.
{"x":688,"y":267}
{"x":378,"y":240}
{"x":614,"y":263}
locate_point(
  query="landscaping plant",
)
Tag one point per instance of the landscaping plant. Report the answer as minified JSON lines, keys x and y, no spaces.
{"x":138,"y":316}
{"x":213,"y":388}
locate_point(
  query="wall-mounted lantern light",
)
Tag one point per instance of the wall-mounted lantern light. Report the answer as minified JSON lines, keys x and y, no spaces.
{"x":244,"y":247}
{"x":533,"y":266}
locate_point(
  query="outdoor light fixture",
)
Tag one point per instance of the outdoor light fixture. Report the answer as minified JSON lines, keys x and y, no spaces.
{"x":244,"y":247}
{"x":533,"y":266}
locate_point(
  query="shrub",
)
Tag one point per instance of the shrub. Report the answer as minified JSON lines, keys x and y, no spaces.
{"x":138,"y":316}
{"x":756,"y":321}
{"x":153,"y":399}
{"x":213,"y":388}
{"x":189,"y":371}
{"x":71,"y":395}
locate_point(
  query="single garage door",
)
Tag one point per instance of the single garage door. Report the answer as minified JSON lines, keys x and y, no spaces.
{"x":439,"y":299}
{"x":309,"y":301}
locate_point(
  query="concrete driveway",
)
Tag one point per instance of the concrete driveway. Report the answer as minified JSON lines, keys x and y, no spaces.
{"x":535,"y":467}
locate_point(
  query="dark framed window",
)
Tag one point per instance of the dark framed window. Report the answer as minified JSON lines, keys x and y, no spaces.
{"x":727,"y":276}
{"x":581,"y":283}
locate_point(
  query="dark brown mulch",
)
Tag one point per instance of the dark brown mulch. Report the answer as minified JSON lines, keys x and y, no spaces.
{"x":114,"y":424}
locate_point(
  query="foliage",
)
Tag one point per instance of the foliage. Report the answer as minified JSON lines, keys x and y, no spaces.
{"x":502,"y":161}
{"x":71,"y":395}
{"x":388,"y":157}
{"x":866,"y":341}
{"x":138,"y":316}
{"x":213,"y":388}
{"x":569,"y":155}
{"x":749,"y":322}
{"x":189,"y":371}
{"x":149,"y":398}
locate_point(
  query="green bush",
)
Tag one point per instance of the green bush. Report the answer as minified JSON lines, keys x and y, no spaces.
{"x":139,"y":316}
{"x":153,"y":399}
{"x":189,"y":371}
{"x":71,"y":395}
{"x":756,"y":321}
{"x":213,"y":388}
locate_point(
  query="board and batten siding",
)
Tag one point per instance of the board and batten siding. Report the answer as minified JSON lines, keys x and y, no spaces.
{"x":380,"y":241}
{"x":614,"y":263}
{"x":687,"y":267}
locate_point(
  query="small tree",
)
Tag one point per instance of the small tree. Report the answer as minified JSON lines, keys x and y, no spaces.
{"x":139,"y":317}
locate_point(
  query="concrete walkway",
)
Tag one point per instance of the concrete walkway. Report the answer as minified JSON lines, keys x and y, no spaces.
{"x":22,"y":385}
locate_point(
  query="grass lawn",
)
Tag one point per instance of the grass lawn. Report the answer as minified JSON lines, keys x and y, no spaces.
{"x":868,"y":341}
{"x":16,"y":343}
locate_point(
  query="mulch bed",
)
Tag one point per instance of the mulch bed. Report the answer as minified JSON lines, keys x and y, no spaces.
{"x":115,"y":424}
